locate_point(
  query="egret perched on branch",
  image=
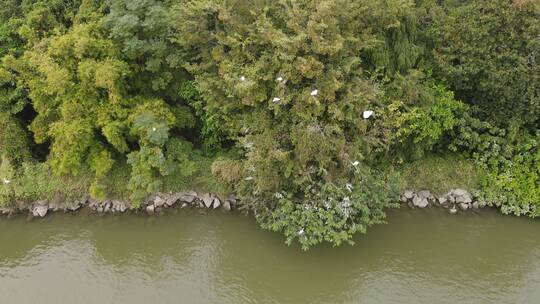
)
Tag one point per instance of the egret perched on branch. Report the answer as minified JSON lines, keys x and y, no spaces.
{"x":276,"y":100}
{"x":7,"y":181}
{"x":242,"y":78}
{"x":154,"y":129}
{"x":355,"y":163}
{"x":279,"y":79}
{"x":367,"y":114}
{"x":314,"y":92}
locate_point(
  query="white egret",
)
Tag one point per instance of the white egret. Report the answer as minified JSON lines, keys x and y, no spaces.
{"x":355,"y":163}
{"x":7,"y":181}
{"x":367,"y":114}
{"x":276,"y":100}
{"x":314,"y":92}
{"x":242,"y":78}
{"x":279,"y":79}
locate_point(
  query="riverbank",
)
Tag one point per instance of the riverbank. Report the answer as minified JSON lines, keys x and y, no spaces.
{"x":155,"y":203}
{"x":454,"y":200}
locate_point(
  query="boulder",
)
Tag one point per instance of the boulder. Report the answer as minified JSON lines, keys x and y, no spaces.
{"x":424,"y":194}
{"x":172,"y":199}
{"x":459,"y":192}
{"x":184,"y":205}
{"x":463,"y":206}
{"x":119,"y":206}
{"x":226,"y":206}
{"x":217,"y":203}
{"x":408,"y":194}
{"x":150,"y":209}
{"x":420,"y":202}
{"x":465,"y":198}
{"x":207,"y":200}
{"x":232,"y":199}
{"x":159,"y":201}
{"x":187,"y":197}
{"x":443,"y":201}
{"x":40,"y":210}
{"x":475,"y":205}
{"x":73,"y":206}
{"x":453,"y":210}
{"x":107,"y":206}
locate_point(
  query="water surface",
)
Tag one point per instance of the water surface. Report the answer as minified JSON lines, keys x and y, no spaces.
{"x":421,"y":256}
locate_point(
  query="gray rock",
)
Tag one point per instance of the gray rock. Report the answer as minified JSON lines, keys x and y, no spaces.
{"x":150,"y":209}
{"x":217,"y":203}
{"x":73,"y":207}
{"x":453,"y":210}
{"x":188,"y":198}
{"x":207,"y":200}
{"x":40,"y":210}
{"x":184,"y":205}
{"x":191,"y":193}
{"x":232,"y":199}
{"x":466,"y":199}
{"x":226,"y":205}
{"x":119,"y":206}
{"x":159,"y":201}
{"x":107,"y":206}
{"x":408,"y":194}
{"x":424,"y":194}
{"x":420,"y":202}
{"x":459,"y":192}
{"x":463,"y":206}
{"x":443,"y":200}
{"x":475,"y":205}
{"x":170,"y":201}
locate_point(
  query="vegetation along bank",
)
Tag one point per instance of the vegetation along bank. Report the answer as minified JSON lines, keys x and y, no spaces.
{"x":317,"y":114}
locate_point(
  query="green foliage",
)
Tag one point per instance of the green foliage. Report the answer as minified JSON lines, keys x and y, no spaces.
{"x":330,"y":212}
{"x":420,"y":120}
{"x":34,"y":182}
{"x":510,"y":160}
{"x":488,"y":51}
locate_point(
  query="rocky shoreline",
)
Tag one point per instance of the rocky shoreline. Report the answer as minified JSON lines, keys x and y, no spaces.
{"x":155,"y":204}
{"x":455,"y":200}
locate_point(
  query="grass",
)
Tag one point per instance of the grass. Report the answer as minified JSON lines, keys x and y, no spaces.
{"x":440,"y":173}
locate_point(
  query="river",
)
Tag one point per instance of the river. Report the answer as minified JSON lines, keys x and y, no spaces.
{"x":420,"y":256}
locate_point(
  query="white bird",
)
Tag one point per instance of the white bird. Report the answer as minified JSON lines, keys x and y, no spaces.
{"x":349,"y":187}
{"x":7,"y":181}
{"x":276,"y":99}
{"x":154,"y":129}
{"x":355,"y":163}
{"x":301,"y":232}
{"x":314,"y":92}
{"x":367,"y":114}
{"x":248,"y":178}
{"x":242,"y":78}
{"x":279,"y":79}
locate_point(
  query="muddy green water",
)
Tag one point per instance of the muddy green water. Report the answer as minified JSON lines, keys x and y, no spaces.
{"x":421,"y":256}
